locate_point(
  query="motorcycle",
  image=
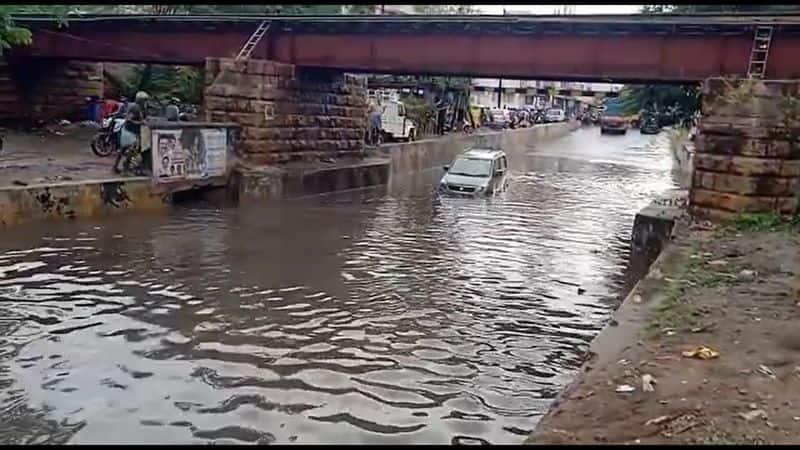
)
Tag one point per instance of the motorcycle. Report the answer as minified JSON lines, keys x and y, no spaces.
{"x":106,"y":141}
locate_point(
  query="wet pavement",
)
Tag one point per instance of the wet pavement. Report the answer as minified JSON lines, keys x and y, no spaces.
{"x":375,"y":316}
{"x":60,"y":154}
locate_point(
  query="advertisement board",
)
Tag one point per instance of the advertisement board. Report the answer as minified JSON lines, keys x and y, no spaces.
{"x":189,"y":153}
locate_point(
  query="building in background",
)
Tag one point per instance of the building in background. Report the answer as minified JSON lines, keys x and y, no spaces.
{"x":517,"y":93}
{"x":396,"y":9}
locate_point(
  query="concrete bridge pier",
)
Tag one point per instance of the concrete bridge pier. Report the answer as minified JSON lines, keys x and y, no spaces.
{"x":302,"y":129}
{"x":747,"y":156}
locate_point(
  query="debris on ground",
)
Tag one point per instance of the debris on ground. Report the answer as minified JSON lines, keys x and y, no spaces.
{"x":764,"y":370}
{"x":747,"y":275}
{"x":637,"y":298}
{"x":755,"y":414}
{"x":647,"y":383}
{"x":701,"y":352}
{"x":625,"y":388}
{"x":718,"y":262}
{"x":658,"y":420}
{"x":736,"y":401}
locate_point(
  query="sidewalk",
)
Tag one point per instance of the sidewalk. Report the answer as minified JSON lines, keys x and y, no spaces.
{"x":736,"y":292}
{"x":46,"y":157}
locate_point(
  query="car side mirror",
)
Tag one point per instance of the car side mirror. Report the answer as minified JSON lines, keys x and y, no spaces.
{"x":446,"y":168}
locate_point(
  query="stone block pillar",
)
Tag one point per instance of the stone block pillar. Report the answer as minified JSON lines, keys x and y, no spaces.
{"x":748,"y":149}
{"x":45,"y":89}
{"x":287,"y":114}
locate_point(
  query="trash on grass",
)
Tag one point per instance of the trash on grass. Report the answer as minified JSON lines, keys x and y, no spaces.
{"x":701,"y":352}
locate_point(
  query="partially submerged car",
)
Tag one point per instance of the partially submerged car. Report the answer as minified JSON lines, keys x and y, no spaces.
{"x":476,"y":172}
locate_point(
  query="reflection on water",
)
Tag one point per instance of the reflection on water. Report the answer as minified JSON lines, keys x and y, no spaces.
{"x":379,"y":316}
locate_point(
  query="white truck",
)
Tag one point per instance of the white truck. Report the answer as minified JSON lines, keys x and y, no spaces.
{"x":394,"y":123}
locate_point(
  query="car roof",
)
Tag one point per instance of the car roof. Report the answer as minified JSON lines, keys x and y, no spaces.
{"x":482,"y":153}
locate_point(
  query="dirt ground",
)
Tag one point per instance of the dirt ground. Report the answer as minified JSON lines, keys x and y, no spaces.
{"x":59,"y":153}
{"x":735,"y":292}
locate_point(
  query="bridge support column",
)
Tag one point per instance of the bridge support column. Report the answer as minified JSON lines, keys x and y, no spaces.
{"x":748,"y":149}
{"x":287,"y":114}
{"x":46,"y":89}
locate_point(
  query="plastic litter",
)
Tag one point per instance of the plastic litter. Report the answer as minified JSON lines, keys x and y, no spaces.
{"x":764,"y":370}
{"x":755,"y":414}
{"x":624,"y":388}
{"x":701,"y":352}
{"x":747,"y":275}
{"x":647,"y":383}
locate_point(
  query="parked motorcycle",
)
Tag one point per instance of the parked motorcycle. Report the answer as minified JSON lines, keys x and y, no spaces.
{"x":106,"y":141}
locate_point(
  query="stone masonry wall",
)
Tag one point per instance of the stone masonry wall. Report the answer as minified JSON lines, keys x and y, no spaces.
{"x":287,"y":114}
{"x":42,"y":89}
{"x":748,"y":149}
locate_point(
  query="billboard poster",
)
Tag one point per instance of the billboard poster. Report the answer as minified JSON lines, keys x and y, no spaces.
{"x":188,"y":154}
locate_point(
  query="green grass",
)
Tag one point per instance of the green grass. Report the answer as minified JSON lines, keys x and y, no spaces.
{"x":750,"y":222}
{"x":676,"y":311}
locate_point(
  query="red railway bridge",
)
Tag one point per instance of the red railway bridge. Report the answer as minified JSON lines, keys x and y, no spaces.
{"x":628,"y":49}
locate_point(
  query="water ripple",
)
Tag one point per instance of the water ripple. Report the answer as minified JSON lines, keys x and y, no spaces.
{"x":378,"y":316}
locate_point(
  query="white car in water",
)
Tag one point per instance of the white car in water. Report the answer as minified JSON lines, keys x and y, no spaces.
{"x":477,"y":172}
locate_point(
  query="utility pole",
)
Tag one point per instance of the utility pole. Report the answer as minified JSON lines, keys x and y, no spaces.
{"x":499,"y":92}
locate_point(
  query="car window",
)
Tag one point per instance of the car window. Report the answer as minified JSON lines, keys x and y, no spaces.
{"x":472,"y":167}
{"x":504,"y":163}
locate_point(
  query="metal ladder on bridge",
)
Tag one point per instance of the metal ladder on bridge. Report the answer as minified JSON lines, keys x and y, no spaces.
{"x":760,"y":52}
{"x":251,"y":43}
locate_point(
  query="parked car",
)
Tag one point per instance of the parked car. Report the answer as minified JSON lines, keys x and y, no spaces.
{"x":476,"y":172}
{"x":612,"y":119}
{"x":555,"y":115}
{"x":499,"y":119}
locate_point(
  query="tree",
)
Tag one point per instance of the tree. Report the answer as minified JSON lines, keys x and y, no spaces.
{"x":13,"y":35}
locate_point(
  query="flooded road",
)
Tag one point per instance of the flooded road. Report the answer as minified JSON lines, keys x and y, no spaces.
{"x":377,"y":316}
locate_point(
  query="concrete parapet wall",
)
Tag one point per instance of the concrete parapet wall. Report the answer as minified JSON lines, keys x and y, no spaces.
{"x":426,"y":154}
{"x":270,"y":182}
{"x":85,"y":199}
{"x":287,"y":114}
{"x":747,"y":152}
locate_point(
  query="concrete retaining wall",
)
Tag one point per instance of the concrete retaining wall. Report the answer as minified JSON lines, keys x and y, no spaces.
{"x":427,"y":154}
{"x":82,"y":199}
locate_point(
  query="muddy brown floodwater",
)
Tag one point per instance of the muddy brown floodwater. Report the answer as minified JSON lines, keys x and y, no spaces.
{"x":377,"y":316}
